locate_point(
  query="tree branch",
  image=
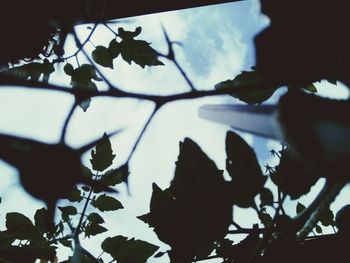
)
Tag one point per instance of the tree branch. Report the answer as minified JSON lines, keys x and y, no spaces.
{"x":11,"y":81}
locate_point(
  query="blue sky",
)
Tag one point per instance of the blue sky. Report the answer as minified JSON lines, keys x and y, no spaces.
{"x":216,"y":45}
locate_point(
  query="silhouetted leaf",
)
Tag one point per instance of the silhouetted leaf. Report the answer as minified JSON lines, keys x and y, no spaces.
{"x":66,"y":243}
{"x":318,"y":229}
{"x":138,"y":51}
{"x":81,"y":78}
{"x":19,"y":226}
{"x":198,"y":198}
{"x":266,"y":197}
{"x":93,"y":229}
{"x":67,"y":211}
{"x":123,"y":250}
{"x":75,"y":195}
{"x":68,"y":69}
{"x":244,"y":169}
{"x":248,"y":78}
{"x":6,"y":238}
{"x":300,"y":208}
{"x":114,"y":176}
{"x":292,"y":176}
{"x":102,"y":156}
{"x":32,"y":71}
{"x":106,"y":203}
{"x":129,"y":34}
{"x":95,"y":218}
{"x":102,"y":56}
{"x":41,"y":219}
{"x":327,"y":217}
{"x":265,"y":218}
{"x":240,"y":252}
{"x":311,"y":87}
{"x":160,"y":254}
{"x":114,"y":48}
{"x":146,"y":218}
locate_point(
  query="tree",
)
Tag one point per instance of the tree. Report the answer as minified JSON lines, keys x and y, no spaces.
{"x":193,"y":223}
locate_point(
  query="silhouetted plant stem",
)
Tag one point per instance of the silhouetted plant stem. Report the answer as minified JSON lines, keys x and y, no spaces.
{"x":247,"y":231}
{"x":77,"y":230}
{"x":78,"y":43}
{"x":87,"y":39}
{"x":66,"y":122}
{"x":171,"y":56}
{"x":267,"y":234}
{"x":236,"y":225}
{"x":16,"y":82}
{"x":157,"y":107}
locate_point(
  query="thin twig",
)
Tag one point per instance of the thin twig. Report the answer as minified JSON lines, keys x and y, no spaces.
{"x":184,"y":75}
{"x":78,"y":43}
{"x":66,"y":122}
{"x":142,"y":133}
{"x":171,"y":57}
{"x":87,"y":39}
{"x":267,"y":234}
{"x":77,"y":230}
{"x":247,"y":231}
{"x":236,"y":225}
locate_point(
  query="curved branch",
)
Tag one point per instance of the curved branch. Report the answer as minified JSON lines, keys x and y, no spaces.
{"x":66,"y":122}
{"x":10,"y":81}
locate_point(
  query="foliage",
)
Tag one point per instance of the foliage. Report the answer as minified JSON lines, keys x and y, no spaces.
{"x":194,"y":214}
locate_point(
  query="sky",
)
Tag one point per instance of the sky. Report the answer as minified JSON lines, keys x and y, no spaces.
{"x":216,"y":46}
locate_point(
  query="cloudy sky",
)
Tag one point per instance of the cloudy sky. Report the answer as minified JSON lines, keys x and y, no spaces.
{"x":216,"y":46}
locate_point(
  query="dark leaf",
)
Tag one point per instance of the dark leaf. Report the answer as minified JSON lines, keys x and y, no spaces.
{"x":32,"y":71}
{"x":311,"y":87}
{"x":102,"y":157}
{"x":82,"y":79}
{"x":106,"y":203}
{"x":75,"y":195}
{"x":318,"y":229}
{"x":327,"y":218}
{"x":266,"y":197}
{"x":67,"y":211}
{"x":198,"y":198}
{"x":160,"y":254}
{"x":240,"y":252}
{"x":6,"y":238}
{"x":95,"y":218}
{"x":41,"y":219}
{"x":68,"y":69}
{"x":146,"y":218}
{"x":86,"y":188}
{"x":125,"y":35}
{"x":138,"y":51}
{"x":292,"y":176}
{"x":66,"y":243}
{"x":300,"y":208}
{"x":124,"y":250}
{"x":115,"y":176}
{"x":93,"y":229}
{"x":248,"y":78}
{"x":114,"y":48}
{"x":244,"y":169}
{"x":265,"y":218}
{"x":20,"y":226}
{"x":87,"y":172}
{"x":103,"y":57}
